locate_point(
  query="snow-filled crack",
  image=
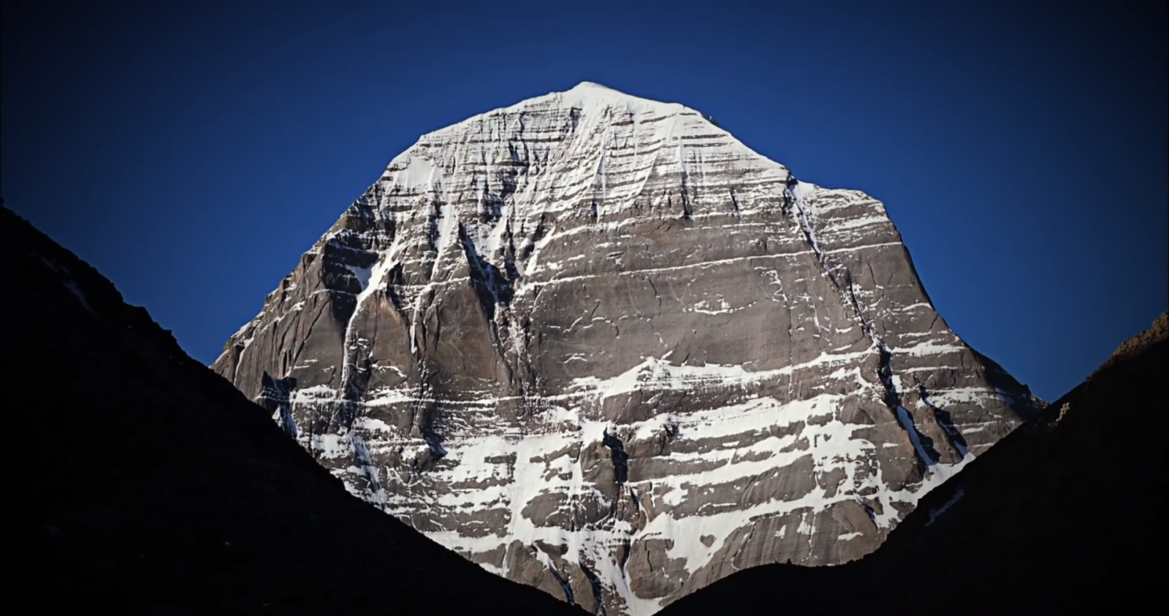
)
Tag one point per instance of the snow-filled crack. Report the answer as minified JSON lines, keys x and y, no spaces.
{"x":278,"y":392}
{"x":946,"y":422}
{"x":369,"y":469}
{"x":797,"y":209}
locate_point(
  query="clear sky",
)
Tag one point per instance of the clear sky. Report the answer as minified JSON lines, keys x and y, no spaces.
{"x":191,"y":151}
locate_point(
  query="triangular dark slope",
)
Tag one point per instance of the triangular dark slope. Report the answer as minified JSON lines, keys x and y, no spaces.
{"x":1057,"y":516}
{"x":158,"y":488}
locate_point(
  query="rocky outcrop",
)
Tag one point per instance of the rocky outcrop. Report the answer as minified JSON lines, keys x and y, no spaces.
{"x":1157,"y":332}
{"x":598,"y":345}
{"x":158,"y":489}
{"x":1046,"y":514}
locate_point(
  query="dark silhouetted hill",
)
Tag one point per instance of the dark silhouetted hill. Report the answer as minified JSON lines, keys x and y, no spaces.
{"x":156,"y":487}
{"x":1059,"y":516}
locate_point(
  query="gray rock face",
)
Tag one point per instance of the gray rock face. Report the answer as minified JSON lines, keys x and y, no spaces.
{"x":599,"y":346}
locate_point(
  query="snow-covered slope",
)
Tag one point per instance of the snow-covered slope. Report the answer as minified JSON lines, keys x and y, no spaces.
{"x":598,"y":345}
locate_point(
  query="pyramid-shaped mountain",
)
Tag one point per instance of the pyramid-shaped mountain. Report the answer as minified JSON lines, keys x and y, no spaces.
{"x":598,"y":345}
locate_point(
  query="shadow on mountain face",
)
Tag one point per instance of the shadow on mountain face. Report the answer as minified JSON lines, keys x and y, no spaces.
{"x":1053,"y":518}
{"x":158,"y":488}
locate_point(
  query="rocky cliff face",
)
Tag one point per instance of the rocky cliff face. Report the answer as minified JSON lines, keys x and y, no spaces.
{"x":159,"y":489}
{"x":597,"y":345}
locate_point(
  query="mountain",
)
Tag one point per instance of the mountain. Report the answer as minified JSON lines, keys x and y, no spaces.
{"x":154,"y":487}
{"x":1048,"y":521}
{"x":599,"y":346}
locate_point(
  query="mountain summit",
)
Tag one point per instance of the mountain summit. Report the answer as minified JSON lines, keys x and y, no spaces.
{"x":597,"y":345}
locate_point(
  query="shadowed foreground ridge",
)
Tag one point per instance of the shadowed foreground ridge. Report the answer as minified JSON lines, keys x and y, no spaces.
{"x":1041,"y":523}
{"x":161,"y":489}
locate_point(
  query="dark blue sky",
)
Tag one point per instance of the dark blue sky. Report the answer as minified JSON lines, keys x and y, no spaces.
{"x":192,"y":151}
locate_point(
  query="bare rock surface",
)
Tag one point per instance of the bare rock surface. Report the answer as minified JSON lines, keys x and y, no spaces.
{"x":599,"y":346}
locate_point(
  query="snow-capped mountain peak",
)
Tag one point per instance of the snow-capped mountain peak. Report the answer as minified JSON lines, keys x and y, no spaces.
{"x":598,"y":345}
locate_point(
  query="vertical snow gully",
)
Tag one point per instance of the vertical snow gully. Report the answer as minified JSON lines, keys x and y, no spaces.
{"x":422,"y":413}
{"x":356,"y":371}
{"x":868,"y":509}
{"x":377,"y":497}
{"x":598,"y":592}
{"x":626,"y":549}
{"x":274,"y":397}
{"x":568,"y":597}
{"x":636,"y":500}
{"x":793,"y":206}
{"x":495,"y":290}
{"x":796,"y":210}
{"x":945,"y":421}
{"x":355,"y":362}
